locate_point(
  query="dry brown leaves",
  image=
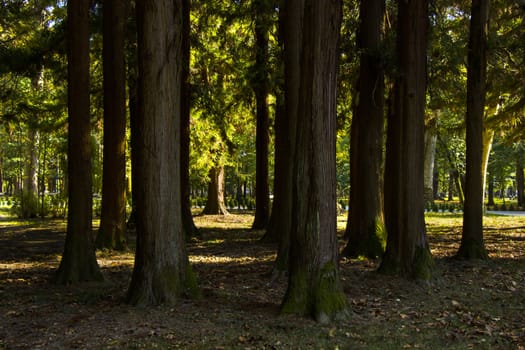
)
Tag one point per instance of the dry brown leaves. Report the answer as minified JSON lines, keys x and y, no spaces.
{"x":478,"y":305}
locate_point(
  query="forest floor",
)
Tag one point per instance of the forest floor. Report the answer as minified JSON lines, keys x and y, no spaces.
{"x":468,"y":305}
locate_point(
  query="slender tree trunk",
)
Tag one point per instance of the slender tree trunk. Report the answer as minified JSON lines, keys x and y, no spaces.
{"x":520,"y":183}
{"x":79,"y":262}
{"x":215,"y":202}
{"x":162,"y":272}
{"x":1,"y":175}
{"x":314,"y":287}
{"x":407,"y":251}
{"x":261,"y":88}
{"x":365,"y":218}
{"x":430,"y":155}
{"x":472,"y":245}
{"x":490,"y":191}
{"x":187,"y":218}
{"x":488,"y":138}
{"x":290,"y":25}
{"x":29,"y":200}
{"x":112,"y":231}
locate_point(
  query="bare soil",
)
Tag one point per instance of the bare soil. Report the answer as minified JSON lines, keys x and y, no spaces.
{"x":468,"y":305}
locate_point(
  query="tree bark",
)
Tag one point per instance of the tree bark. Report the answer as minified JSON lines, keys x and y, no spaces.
{"x":520,"y":181}
{"x":407,"y":251}
{"x":430,"y":155}
{"x":187,"y":218}
{"x":314,"y":287}
{"x":215,"y":203}
{"x":261,"y":87}
{"x":162,"y":273}
{"x":365,"y":218}
{"x":112,"y":231}
{"x":79,"y":262}
{"x":472,"y":244}
{"x":285,"y":120}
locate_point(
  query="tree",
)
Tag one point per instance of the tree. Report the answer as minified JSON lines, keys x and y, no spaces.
{"x":187,"y":218}
{"x":79,"y":262}
{"x":261,"y":9}
{"x":365,"y":218}
{"x":314,"y":287}
{"x":215,"y":203}
{"x":407,"y":251}
{"x":162,"y":272}
{"x":472,"y":245}
{"x":112,"y":231}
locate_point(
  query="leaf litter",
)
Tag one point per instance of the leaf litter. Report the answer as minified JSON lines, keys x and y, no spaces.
{"x":468,"y":305}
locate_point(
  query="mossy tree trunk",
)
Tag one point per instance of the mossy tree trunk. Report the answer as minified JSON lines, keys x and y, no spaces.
{"x":79,"y":262}
{"x":314,"y":286}
{"x":162,"y":273}
{"x":112,"y":231}
{"x":407,"y":252}
{"x":472,"y":245}
{"x":365,"y":217}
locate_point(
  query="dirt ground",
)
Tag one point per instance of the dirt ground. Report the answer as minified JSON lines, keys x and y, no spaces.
{"x":468,"y":305}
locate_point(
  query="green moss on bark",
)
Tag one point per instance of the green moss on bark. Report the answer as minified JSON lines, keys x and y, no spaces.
{"x":330,"y":300}
{"x":296,"y":298}
{"x":191,"y":285}
{"x":423,"y":264}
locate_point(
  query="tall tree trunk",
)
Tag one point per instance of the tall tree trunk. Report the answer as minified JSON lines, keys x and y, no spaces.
{"x":215,"y":203}
{"x":260,"y":83}
{"x":285,"y":121}
{"x":472,"y":245}
{"x":365,"y":218}
{"x":407,"y":251}
{"x":112,"y":231}
{"x":79,"y":262}
{"x":314,"y":287}
{"x":190,"y":229}
{"x":162,"y":272}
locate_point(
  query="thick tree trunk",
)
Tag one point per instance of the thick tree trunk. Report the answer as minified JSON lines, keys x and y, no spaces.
{"x":162,"y":272}
{"x":215,"y":202}
{"x":472,"y":245}
{"x":314,"y":287}
{"x":260,"y":88}
{"x":79,"y":262}
{"x":365,"y":218}
{"x":407,"y":251}
{"x":190,"y":229}
{"x":112,"y":231}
